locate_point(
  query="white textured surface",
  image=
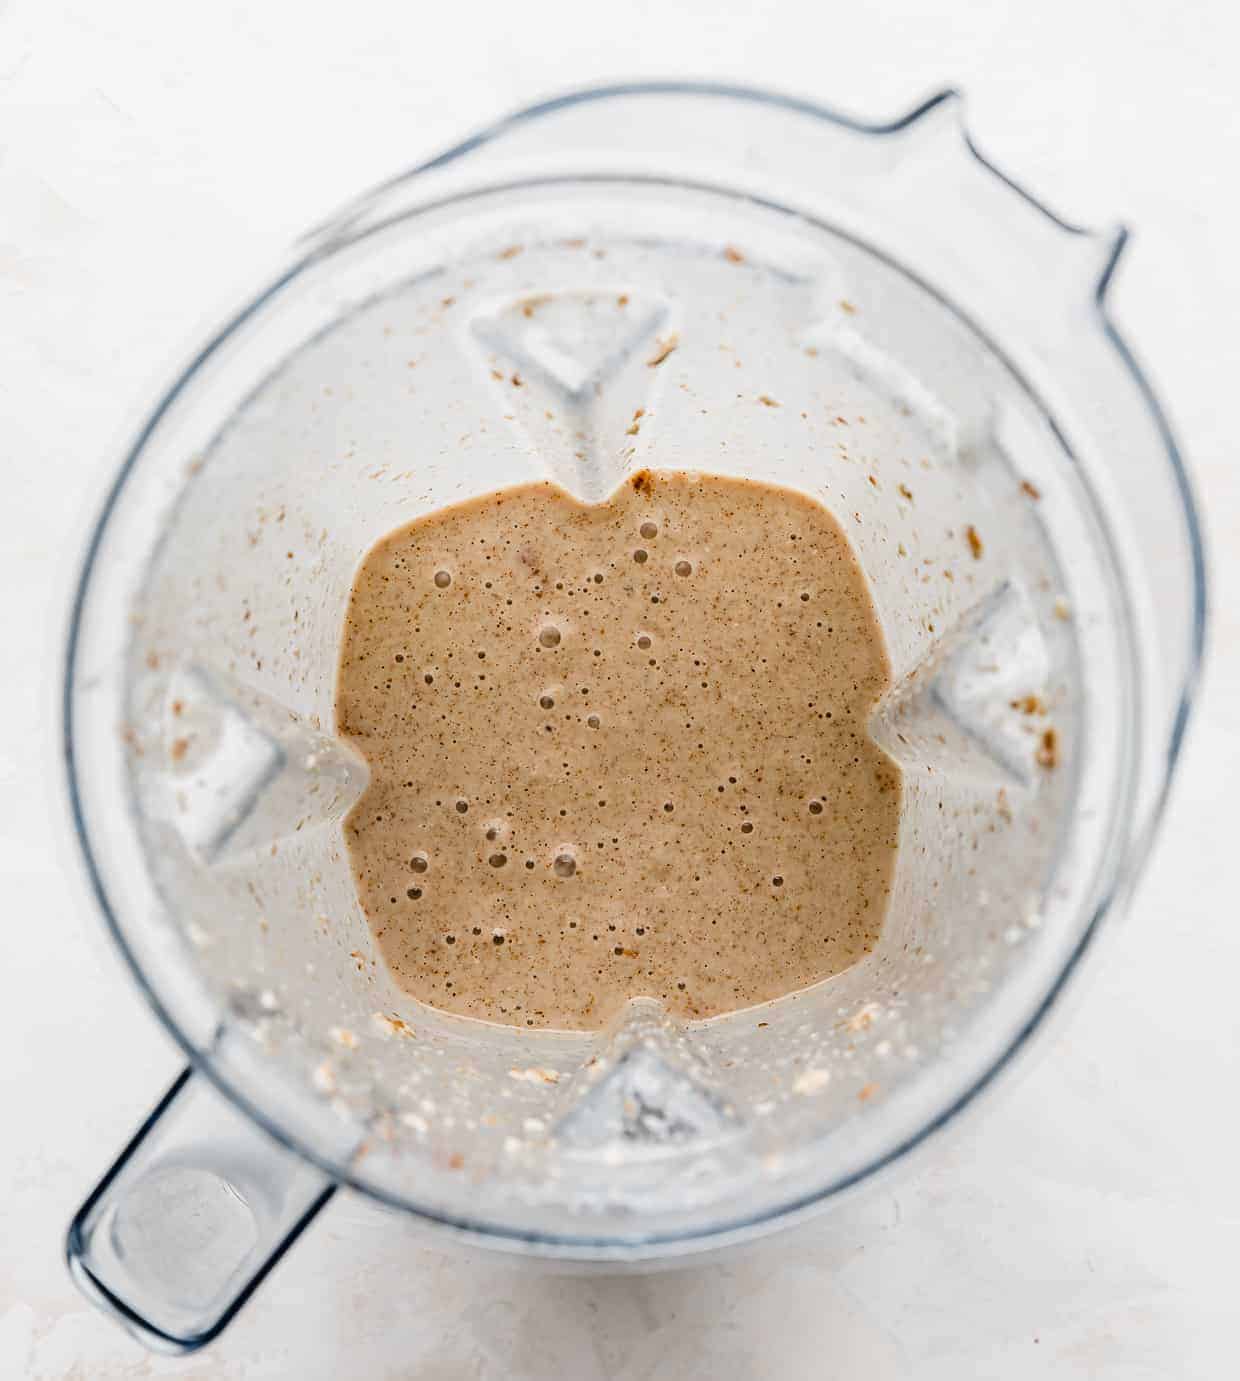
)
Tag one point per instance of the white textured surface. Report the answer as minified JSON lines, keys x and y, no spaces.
{"x":153,"y":158}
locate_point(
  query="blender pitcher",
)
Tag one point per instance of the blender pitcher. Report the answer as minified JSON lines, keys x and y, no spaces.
{"x":937,"y":367}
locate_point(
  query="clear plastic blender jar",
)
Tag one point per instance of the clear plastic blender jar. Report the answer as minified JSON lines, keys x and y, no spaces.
{"x":1013,"y":494}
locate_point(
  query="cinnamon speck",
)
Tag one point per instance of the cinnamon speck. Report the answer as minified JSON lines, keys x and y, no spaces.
{"x":733,"y":255}
{"x":1030,"y":489}
{"x":1048,"y":749}
{"x":535,"y":1075}
{"x":867,"y":1092}
{"x":664,"y":348}
{"x":511,"y":252}
{"x":846,"y":306}
{"x":905,"y":492}
{"x":389,"y":1025}
{"x":767,"y":401}
{"x":974,"y":541}
{"x":178,"y":749}
{"x":1029,"y":704}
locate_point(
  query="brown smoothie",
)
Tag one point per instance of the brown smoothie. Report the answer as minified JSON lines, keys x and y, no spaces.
{"x":617,"y":750}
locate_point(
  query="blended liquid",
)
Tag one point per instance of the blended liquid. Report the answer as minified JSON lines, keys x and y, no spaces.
{"x":617,"y":750}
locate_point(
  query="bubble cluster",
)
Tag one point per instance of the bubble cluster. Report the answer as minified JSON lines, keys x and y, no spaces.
{"x":713,"y":732}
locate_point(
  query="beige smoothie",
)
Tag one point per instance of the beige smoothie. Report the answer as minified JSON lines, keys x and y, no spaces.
{"x":617,"y":750}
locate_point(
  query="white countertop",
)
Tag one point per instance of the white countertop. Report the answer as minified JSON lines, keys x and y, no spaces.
{"x":153,"y":159}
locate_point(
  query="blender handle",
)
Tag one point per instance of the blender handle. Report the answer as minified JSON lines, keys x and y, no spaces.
{"x":190,"y":1218}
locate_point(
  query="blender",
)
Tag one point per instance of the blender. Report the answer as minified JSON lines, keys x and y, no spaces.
{"x":1016,"y":501}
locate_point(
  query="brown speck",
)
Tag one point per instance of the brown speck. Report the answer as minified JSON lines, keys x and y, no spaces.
{"x":642,"y":482}
{"x":455,"y":1161}
{"x":1003,"y":806}
{"x":846,"y":306}
{"x":535,"y":1075}
{"x":733,"y":255}
{"x":664,"y":347}
{"x":386,"y":1021}
{"x":179,"y":748}
{"x":622,"y":300}
{"x":1029,"y":488}
{"x":866,"y":1093}
{"x":1048,"y":749}
{"x":767,"y":401}
{"x":974,"y":541}
{"x":517,"y":381}
{"x":1030,"y":704}
{"x":905,"y":492}
{"x":511,"y":252}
